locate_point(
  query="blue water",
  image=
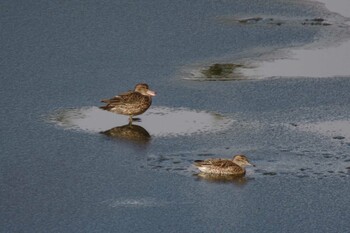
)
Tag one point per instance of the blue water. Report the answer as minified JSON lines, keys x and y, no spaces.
{"x":70,"y":54}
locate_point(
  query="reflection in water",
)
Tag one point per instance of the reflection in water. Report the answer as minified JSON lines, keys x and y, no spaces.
{"x":215,"y":178}
{"x":158,"y":121}
{"x":134,"y":133}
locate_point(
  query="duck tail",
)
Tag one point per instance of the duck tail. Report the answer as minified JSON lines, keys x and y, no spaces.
{"x":198,"y":162}
{"x":107,"y":106}
{"x":104,"y":107}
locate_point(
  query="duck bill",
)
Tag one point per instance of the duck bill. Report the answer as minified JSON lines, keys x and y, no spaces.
{"x":251,"y":164}
{"x":151,"y":93}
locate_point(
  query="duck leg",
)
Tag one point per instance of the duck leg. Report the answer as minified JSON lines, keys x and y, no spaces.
{"x":130,"y":120}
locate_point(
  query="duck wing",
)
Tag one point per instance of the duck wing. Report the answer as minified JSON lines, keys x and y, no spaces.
{"x":228,"y":165}
{"x":220,"y":166}
{"x":127,"y":97}
{"x":200,"y":163}
{"x":222,"y":163}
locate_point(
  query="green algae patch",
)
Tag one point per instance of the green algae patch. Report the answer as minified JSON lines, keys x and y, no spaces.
{"x":226,"y":71}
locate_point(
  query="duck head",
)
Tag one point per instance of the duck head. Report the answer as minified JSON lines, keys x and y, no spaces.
{"x":241,"y":160}
{"x":144,"y":89}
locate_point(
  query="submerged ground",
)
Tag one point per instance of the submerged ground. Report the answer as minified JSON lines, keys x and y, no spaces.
{"x":60,"y":174}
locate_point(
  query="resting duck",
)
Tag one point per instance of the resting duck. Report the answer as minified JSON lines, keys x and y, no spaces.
{"x":235,"y":166}
{"x":131,"y":103}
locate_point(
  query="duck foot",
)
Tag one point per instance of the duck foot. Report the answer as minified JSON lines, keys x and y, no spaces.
{"x":131,"y":119}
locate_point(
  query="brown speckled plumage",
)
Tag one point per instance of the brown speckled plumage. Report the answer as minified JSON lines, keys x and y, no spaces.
{"x":131,"y":103}
{"x":235,"y":166}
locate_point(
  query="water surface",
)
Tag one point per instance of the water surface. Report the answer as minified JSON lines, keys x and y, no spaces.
{"x":58,"y":173}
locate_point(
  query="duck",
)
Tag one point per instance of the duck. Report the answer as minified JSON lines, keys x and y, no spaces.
{"x":234,"y":166}
{"x":130,"y":103}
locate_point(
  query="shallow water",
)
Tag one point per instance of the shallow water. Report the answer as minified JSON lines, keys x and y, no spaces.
{"x":326,"y":62}
{"x":158,"y":121}
{"x":324,"y":58}
{"x":337,"y":6}
{"x":60,"y":174}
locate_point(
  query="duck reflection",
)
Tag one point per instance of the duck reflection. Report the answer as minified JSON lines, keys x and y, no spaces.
{"x":238,"y":180}
{"x":129,"y":132}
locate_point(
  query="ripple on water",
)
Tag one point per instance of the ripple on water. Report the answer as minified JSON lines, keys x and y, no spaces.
{"x":142,"y":202}
{"x":156,"y":122}
{"x":338,"y":129}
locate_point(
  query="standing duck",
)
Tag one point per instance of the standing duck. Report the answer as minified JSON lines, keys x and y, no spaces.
{"x":131,"y":103}
{"x":235,"y":166}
